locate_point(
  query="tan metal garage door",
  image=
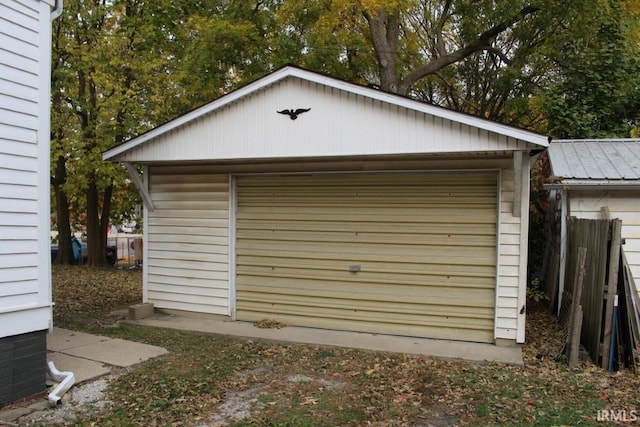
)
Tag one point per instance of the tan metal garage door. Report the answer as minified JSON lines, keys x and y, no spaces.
{"x":408,"y":254}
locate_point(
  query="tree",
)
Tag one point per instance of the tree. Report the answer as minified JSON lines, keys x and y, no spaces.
{"x":111,"y":80}
{"x":595,"y":90}
{"x":477,"y":56}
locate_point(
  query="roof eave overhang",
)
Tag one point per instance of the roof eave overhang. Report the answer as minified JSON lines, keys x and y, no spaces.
{"x":606,"y":184}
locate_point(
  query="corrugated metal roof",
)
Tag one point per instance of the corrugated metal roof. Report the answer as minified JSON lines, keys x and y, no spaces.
{"x":596,"y":160}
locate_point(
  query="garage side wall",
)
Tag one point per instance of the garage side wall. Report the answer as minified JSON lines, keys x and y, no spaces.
{"x":187,"y":237}
{"x":511,"y":262}
{"x":623,"y":205}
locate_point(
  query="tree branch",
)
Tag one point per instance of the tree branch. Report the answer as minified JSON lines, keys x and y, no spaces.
{"x":483,"y":42}
{"x":442,"y":50}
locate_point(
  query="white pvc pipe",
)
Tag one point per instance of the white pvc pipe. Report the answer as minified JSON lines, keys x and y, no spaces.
{"x":57,"y":10}
{"x":66,"y":380}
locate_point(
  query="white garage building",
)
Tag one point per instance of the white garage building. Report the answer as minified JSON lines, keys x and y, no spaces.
{"x":368,"y":212}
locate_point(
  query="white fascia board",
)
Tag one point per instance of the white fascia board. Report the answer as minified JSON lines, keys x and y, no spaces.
{"x":477,"y":122}
{"x":586,"y":184}
{"x":537,"y":139}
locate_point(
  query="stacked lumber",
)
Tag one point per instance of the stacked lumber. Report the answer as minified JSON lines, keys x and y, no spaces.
{"x":600,"y":307}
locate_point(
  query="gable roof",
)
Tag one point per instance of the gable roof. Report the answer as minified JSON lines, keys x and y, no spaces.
{"x":537,"y":141}
{"x":596,"y":162}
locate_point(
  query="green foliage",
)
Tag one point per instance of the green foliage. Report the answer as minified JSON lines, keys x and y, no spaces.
{"x":594,"y":92}
{"x":534,"y":293}
{"x":125,"y":66}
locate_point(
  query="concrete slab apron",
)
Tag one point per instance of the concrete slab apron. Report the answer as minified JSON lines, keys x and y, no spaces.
{"x":396,"y":344}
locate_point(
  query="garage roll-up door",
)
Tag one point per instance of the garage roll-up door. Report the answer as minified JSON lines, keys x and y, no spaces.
{"x":408,"y":254}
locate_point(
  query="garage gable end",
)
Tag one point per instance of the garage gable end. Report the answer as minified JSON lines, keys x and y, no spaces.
{"x":295,"y":113}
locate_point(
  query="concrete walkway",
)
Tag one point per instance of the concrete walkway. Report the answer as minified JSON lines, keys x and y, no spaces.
{"x":89,"y":357}
{"x":478,"y":352}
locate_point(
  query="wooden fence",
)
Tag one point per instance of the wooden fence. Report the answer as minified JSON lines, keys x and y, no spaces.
{"x":589,"y":313}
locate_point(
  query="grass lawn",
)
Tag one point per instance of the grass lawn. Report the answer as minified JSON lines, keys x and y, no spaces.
{"x":210,"y":381}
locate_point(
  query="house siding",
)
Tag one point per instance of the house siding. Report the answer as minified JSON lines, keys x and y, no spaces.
{"x":25,"y":290}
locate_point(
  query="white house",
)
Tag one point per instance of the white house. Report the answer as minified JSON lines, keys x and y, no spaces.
{"x":25,"y":284}
{"x":367,"y":212}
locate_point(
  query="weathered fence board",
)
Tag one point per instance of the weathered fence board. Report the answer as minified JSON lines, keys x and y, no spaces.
{"x":592,"y":235}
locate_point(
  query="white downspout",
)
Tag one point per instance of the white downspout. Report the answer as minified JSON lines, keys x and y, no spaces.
{"x":57,"y":10}
{"x":66,"y":379}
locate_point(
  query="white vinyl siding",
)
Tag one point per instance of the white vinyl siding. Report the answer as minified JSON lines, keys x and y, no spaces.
{"x":508,"y":301}
{"x":425,"y":244}
{"x":340,"y":123}
{"x":179,"y":277}
{"x":25,"y":33}
{"x":624,"y":205}
{"x":187,"y":265}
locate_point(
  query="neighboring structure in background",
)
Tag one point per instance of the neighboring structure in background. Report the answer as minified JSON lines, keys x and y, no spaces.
{"x":367,"y":211}
{"x":594,"y":210}
{"x":592,"y":178}
{"x":25,"y":268}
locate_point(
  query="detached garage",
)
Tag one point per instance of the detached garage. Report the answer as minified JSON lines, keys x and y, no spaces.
{"x":361,"y":211}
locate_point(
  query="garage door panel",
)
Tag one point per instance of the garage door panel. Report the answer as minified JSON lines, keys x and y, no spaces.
{"x":449,"y":241}
{"x":440,"y":229}
{"x":387,"y":293}
{"x":433,"y":328}
{"x":439,"y":180}
{"x":372,"y":312}
{"x":351,"y":215}
{"x":448,"y":254}
{"x":444,"y":262}
{"x":470,"y":276}
{"x":424,"y":244}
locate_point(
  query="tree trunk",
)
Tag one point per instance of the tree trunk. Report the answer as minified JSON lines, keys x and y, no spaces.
{"x":96,"y":254}
{"x":97,"y":223}
{"x":385,"y":35}
{"x":104,"y":216}
{"x":385,"y":32}
{"x":65,"y":251}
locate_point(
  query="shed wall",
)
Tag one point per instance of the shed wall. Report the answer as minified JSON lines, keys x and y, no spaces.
{"x":624,"y":205}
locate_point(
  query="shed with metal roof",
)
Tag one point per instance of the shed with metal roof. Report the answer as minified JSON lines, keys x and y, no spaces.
{"x":593,"y":175}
